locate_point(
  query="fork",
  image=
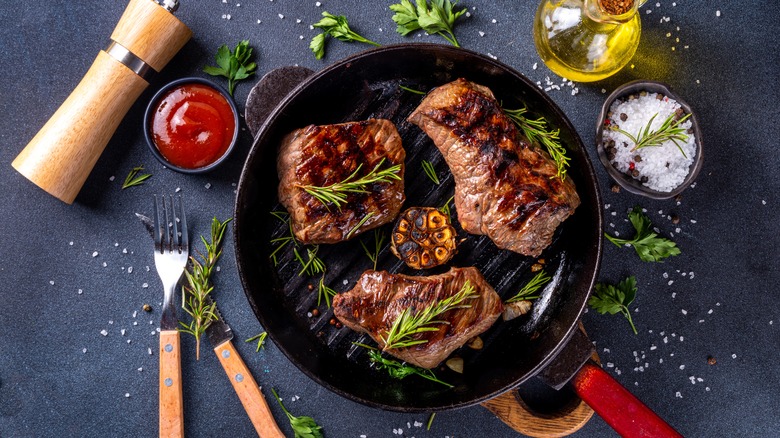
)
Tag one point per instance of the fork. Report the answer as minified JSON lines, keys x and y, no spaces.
{"x":171,"y":250}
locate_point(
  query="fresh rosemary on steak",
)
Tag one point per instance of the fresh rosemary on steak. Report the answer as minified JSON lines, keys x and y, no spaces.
{"x":399,"y":370}
{"x":134,"y":179}
{"x":647,"y":244}
{"x":336,"y":193}
{"x":611,"y":299}
{"x":446,"y":207}
{"x":410,"y":323}
{"x":438,"y":18}
{"x":337,"y":27}
{"x":411,"y":90}
{"x":537,"y":131}
{"x":430,"y":171}
{"x":359,"y":224}
{"x":669,"y":130}
{"x":199,"y":286}
{"x":528,"y":291}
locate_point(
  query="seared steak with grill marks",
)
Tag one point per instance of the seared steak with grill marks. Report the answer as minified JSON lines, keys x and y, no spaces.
{"x":379,"y":297}
{"x":324,"y":155}
{"x":505,"y":187}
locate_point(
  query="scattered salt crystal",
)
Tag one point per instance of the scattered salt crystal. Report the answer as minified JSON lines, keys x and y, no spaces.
{"x":111,"y":178}
{"x":610,"y":364}
{"x":418,"y":424}
{"x":130,"y":270}
{"x":603,"y":91}
{"x":127,"y":395}
{"x":653,"y":347}
{"x":701,"y":321}
{"x":123,"y":331}
{"x":104,"y":332}
{"x":300,"y":37}
{"x":606,"y":350}
{"x":699,"y":379}
{"x":682,"y":338}
{"x":81,"y":291}
{"x":83,"y":350}
{"x":763,"y":202}
{"x":71,"y":242}
{"x":678,"y":394}
{"x":733,"y":356}
{"x":717,"y":13}
{"x":481,"y":33}
{"x":318,"y":4}
{"x":150,"y":351}
{"x":771,"y":322}
{"x":666,"y":340}
{"x":666,"y":275}
{"x":345,"y":282}
{"x":707,"y":389}
{"x":297,"y":20}
{"x":281,"y":16}
{"x":51,"y":282}
{"x":636,"y":383}
{"x":140,"y":369}
{"x":493,"y":21}
{"x":684,"y":312}
{"x":95,"y":254}
{"x":145,"y":285}
{"x":129,"y":341}
{"x":105,"y":264}
{"x":124,"y":250}
{"x":661,"y":360}
{"x":135,"y":322}
{"x":207,"y":186}
{"x":492,"y":55}
{"x":534,"y":67}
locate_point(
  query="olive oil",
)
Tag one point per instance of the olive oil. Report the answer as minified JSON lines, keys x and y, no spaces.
{"x":579,"y":41}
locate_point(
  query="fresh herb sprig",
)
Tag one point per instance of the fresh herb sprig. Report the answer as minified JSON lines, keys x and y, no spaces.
{"x":336,"y":193}
{"x":281,"y":242}
{"x":235,"y":66}
{"x":527,"y":292}
{"x":410,"y":323}
{"x":647,"y":244}
{"x":446,"y":207}
{"x":303,"y":427}
{"x":337,"y":27}
{"x":430,"y":421}
{"x":313,"y":265}
{"x":359,"y":224}
{"x":379,"y":240}
{"x":411,"y":90}
{"x":670,"y":130}
{"x":430,"y":171}
{"x":438,"y":18}
{"x":260,"y":339}
{"x":134,"y":179}
{"x":324,"y":292}
{"x":537,"y":131}
{"x":399,"y":370}
{"x":199,"y":286}
{"x":611,"y":299}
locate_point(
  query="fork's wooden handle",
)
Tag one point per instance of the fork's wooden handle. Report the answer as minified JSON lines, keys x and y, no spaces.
{"x":248,"y":391}
{"x":171,"y":400}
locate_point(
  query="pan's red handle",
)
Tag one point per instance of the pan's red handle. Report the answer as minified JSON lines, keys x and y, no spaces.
{"x":618,"y":407}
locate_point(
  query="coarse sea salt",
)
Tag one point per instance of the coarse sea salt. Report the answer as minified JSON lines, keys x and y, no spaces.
{"x":660,"y":168}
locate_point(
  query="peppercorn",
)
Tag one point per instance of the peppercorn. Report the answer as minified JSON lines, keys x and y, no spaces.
{"x":711,"y":360}
{"x":315,"y":312}
{"x":644,"y":179}
{"x":332,"y":321}
{"x":310,"y":287}
{"x":623,"y":117}
{"x":675,"y":219}
{"x":679,"y":113}
{"x":635,"y":173}
{"x":678,"y":198}
{"x":643,"y":93}
{"x":615,"y":188}
{"x":338,"y":325}
{"x":536,"y":267}
{"x":147,"y":308}
{"x":659,"y":96}
{"x":638,"y":158}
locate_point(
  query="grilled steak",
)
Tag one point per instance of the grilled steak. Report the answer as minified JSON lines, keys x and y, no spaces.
{"x":505,"y":187}
{"x":324,"y":155}
{"x":379,"y":297}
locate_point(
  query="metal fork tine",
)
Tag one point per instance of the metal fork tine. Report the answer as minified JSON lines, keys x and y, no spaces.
{"x":157,"y":228}
{"x":185,"y":240}
{"x":167,"y":237}
{"x":175,"y":241}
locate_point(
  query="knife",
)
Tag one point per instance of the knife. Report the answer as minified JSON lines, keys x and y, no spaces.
{"x":220,"y":335}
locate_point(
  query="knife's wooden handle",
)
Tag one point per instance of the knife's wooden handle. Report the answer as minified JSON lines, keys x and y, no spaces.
{"x":171,"y":400}
{"x":248,"y":391}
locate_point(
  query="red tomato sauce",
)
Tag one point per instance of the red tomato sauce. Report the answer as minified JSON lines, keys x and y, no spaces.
{"x":193,"y":125}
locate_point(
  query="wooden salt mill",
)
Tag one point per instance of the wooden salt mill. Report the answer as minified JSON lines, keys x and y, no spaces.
{"x":60,"y":157}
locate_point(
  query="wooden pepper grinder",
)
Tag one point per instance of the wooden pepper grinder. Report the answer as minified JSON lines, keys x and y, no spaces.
{"x":60,"y":157}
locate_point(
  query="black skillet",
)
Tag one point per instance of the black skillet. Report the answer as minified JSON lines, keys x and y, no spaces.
{"x":368,"y":85}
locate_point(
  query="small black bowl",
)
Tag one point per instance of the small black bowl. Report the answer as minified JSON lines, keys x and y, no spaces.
{"x":148,"y":128}
{"x":625,"y":181}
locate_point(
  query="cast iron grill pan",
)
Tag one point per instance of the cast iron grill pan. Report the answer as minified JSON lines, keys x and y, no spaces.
{"x":367,"y":86}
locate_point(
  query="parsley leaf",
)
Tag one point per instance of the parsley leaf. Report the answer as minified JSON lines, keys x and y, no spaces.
{"x":647,"y":244}
{"x":303,"y":427}
{"x":438,"y":17}
{"x":607,"y":298}
{"x":337,"y":27}
{"x":235,"y":66}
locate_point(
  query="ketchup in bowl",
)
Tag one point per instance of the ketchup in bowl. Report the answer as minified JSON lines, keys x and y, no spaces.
{"x":191,"y":125}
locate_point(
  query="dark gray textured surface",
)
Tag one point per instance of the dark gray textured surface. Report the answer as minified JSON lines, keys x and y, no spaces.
{"x":57,"y":295}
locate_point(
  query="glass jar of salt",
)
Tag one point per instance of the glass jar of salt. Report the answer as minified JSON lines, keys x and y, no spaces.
{"x":587,"y":40}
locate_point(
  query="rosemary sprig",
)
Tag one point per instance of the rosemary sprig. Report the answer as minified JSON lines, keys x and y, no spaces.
{"x":281,"y":242}
{"x":336,"y":193}
{"x":379,"y":241}
{"x":396,"y":369}
{"x":430,"y":421}
{"x":359,"y":224}
{"x":446,"y":207}
{"x":303,"y":427}
{"x":324,"y":292}
{"x":527,"y":292}
{"x":430,"y":171}
{"x":669,"y":130}
{"x":134,"y":179}
{"x":411,"y":90}
{"x":260,"y":338}
{"x":199,"y":286}
{"x":313,"y":265}
{"x":410,"y":323}
{"x":536,"y":131}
